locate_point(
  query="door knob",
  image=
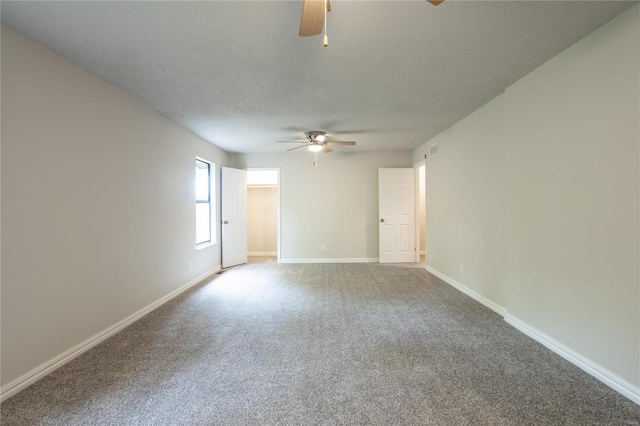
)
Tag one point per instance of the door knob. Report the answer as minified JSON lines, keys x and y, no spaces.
{"x":225,"y":222}
{"x":381,"y":220}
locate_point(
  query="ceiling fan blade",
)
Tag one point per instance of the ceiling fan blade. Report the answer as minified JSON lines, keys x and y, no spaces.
{"x":340,"y":142}
{"x":435,"y":2}
{"x":297,"y":147}
{"x":312,"y":19}
{"x":326,"y":149}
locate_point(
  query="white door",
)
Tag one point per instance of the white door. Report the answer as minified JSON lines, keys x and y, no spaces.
{"x":234,"y":217}
{"x":396,"y":188}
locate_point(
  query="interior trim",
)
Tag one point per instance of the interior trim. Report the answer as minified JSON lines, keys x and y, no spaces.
{"x":336,"y":260}
{"x":53,"y":364}
{"x":610,"y":379}
{"x":471,"y":293}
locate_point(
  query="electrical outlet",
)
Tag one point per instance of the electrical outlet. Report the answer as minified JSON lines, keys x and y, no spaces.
{"x":461,"y":267}
{"x":323,"y":247}
{"x":190,"y":266}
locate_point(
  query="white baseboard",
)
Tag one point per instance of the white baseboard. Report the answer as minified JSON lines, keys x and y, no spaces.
{"x":605,"y":376}
{"x":262,"y":253}
{"x":337,"y":260}
{"x":42,"y":370}
{"x":471,"y":293}
{"x":610,"y":379}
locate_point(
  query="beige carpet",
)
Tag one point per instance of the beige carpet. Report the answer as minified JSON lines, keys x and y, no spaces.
{"x":320,"y":344}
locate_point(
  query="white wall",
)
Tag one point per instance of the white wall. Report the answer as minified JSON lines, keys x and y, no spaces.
{"x":466,"y":213}
{"x":98,"y":216}
{"x":537,"y":193}
{"x":262,"y":220}
{"x":334,"y":203}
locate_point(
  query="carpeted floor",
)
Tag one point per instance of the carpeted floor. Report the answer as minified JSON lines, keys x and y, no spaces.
{"x":320,"y":344}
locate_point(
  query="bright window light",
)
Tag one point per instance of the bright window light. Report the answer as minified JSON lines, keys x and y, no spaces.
{"x":204,"y":210}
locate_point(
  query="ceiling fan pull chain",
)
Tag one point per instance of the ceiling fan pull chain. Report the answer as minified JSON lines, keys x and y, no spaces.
{"x":325,"y":41}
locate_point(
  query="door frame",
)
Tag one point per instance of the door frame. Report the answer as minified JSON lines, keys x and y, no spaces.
{"x":417,"y":169}
{"x":277,"y":170}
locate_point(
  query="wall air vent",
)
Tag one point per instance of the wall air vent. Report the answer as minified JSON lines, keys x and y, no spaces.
{"x":433,"y":150}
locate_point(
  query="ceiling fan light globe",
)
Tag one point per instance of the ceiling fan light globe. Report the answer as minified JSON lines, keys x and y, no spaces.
{"x":315,"y":148}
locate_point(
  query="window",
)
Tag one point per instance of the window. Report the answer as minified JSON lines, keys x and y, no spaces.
{"x":204,"y":210}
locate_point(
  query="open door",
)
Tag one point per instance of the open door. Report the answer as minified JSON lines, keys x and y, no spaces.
{"x":396,"y":188}
{"x":234,"y":217}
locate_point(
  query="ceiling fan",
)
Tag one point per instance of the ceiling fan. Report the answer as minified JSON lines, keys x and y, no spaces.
{"x":314,"y":13}
{"x":316,"y":142}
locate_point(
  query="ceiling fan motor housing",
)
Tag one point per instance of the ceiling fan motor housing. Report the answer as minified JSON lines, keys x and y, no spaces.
{"x":313,"y":135}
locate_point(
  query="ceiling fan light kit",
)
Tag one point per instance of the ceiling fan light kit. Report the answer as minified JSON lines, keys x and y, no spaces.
{"x":316,"y":142}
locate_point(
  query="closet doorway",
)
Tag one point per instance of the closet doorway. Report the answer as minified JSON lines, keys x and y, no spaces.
{"x":421,"y":212}
{"x":263,"y":214}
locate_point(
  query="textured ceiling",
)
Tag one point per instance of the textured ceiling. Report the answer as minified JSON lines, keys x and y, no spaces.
{"x":395,"y":74}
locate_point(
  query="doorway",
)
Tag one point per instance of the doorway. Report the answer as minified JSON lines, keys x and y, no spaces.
{"x":263,"y":214}
{"x":421,"y":212}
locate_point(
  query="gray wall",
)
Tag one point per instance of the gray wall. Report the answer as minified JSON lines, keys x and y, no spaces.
{"x":334,"y":203}
{"x":98,"y":217}
{"x":538,"y":191}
